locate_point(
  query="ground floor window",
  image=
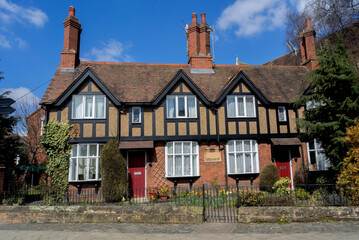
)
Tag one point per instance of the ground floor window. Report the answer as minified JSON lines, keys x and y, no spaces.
{"x":316,"y":157}
{"x":85,"y":162}
{"x":242,"y":156}
{"x":182,"y":159}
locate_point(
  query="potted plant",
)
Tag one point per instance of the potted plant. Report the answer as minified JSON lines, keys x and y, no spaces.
{"x":164,"y":193}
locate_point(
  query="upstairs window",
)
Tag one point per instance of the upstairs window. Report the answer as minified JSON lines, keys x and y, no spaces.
{"x":240,"y":106}
{"x":282,"y":114}
{"x":316,"y":157}
{"x":181,"y":107}
{"x":136,"y":115}
{"x":88,"y":106}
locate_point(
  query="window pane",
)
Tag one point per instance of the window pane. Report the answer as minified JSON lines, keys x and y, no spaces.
{"x":186,"y":147}
{"x":170,"y":166}
{"x":255,"y":166}
{"x":181,"y":107}
{"x":231,"y":107}
{"x":93,"y":150}
{"x":240,"y":106}
{"x":92,"y":168}
{"x":74,"y":151}
{"x":248,"y":162}
{"x":191,"y":107}
{"x":73,"y":169}
{"x":178,"y":147}
{"x":77,"y":105}
{"x":320,"y":160}
{"x":82,"y":174}
{"x":231,"y":163}
{"x":239,"y":146}
{"x":99,"y":168}
{"x":240,"y":166}
{"x":313,"y":160}
{"x":187,"y":165}
{"x":100,"y":107}
{"x":88,"y":106}
{"x":178,"y":165}
{"x":311,"y":144}
{"x":171,"y":107}
{"x":194,"y":165}
{"x":136,"y":115}
{"x":169,"y":148}
{"x":194,"y":147}
{"x":281,"y":114}
{"x":230,"y":145}
{"x":250,"y":107}
{"x":83,"y":150}
{"x":247,"y":146}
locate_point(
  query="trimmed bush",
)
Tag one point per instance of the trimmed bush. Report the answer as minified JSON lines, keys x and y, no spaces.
{"x":114,"y":182}
{"x":268,"y":177}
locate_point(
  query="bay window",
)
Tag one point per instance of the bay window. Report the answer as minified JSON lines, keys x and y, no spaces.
{"x":316,"y":157}
{"x":181,"y":106}
{"x":242,"y":156}
{"x":88,"y":106}
{"x":85,"y":162}
{"x":240,"y":106}
{"x":182,"y":159}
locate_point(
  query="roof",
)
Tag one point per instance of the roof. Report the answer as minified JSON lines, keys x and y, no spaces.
{"x":350,"y":35}
{"x":141,"y":83}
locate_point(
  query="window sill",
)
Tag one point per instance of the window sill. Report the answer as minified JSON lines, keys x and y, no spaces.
{"x":194,"y":176}
{"x":84,"y":181}
{"x":243,"y":173}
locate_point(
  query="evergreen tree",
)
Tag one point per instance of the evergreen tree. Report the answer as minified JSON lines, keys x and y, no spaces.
{"x":333,"y":101}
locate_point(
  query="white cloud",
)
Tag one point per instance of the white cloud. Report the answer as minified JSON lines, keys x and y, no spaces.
{"x":18,"y":94}
{"x":12,"y":12}
{"x":250,"y":17}
{"x":4,"y":42}
{"x":110,"y":51}
{"x":299,"y":4}
{"x":11,"y":41}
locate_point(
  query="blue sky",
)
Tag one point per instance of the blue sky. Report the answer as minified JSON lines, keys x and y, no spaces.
{"x":31,"y":34}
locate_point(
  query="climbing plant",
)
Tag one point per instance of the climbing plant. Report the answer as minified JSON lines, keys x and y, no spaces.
{"x":58,"y":151}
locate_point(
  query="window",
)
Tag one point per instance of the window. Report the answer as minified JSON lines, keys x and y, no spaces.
{"x":42,"y":123}
{"x":85,"y":162}
{"x":240,"y":106}
{"x":136,"y":115}
{"x":181,"y":107}
{"x":242,"y":156}
{"x":182,"y":159}
{"x":88,"y":106}
{"x":316,"y":157}
{"x":282,"y":114}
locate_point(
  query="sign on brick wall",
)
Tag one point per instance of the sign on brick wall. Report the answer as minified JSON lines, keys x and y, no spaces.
{"x":212,"y":155}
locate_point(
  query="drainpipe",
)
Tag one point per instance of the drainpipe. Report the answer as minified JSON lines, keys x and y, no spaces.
{"x":221,"y":144}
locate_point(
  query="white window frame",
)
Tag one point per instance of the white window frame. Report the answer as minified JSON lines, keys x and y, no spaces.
{"x":173,"y":154}
{"x":42,"y":123}
{"x":254,"y":149}
{"x":285,"y":114}
{"x":327,"y":164}
{"x":185,"y":106}
{"x":87,"y":159}
{"x":139,"y":115}
{"x":84,"y":106}
{"x":244,"y":97}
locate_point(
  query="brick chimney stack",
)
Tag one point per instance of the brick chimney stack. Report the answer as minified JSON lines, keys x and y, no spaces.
{"x":198,"y":45}
{"x":70,"y":55}
{"x":307,"y":46}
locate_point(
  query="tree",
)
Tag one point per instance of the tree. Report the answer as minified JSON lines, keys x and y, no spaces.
{"x":327,"y":17}
{"x":113,"y":172}
{"x":332,"y":101}
{"x":58,"y":150}
{"x":349,"y":172}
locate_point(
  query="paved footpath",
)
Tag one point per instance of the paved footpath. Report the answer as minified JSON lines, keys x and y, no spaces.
{"x":333,"y":230}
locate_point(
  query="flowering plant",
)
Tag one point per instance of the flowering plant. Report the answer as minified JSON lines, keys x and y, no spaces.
{"x":164,"y":190}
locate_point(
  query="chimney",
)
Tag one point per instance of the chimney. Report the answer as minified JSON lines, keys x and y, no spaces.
{"x":70,"y":55}
{"x":307,"y":46}
{"x":199,"y":46}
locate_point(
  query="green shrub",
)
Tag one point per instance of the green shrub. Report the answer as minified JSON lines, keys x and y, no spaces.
{"x":114,"y":182}
{"x":301,"y":194}
{"x":268,"y":176}
{"x":281,"y":186}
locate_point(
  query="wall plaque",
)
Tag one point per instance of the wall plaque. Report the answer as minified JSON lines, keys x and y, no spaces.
{"x":212,"y":155}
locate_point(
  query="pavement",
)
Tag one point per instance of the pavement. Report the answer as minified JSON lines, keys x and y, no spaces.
{"x":345,"y":230}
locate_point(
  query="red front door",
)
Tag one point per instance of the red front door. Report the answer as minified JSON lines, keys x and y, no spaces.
{"x":283,"y":162}
{"x":284,"y":169}
{"x":137,"y":172}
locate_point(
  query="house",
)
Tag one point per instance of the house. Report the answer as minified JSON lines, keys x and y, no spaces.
{"x":180,"y":124}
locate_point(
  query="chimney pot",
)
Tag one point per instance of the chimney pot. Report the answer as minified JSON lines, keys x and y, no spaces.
{"x":72,"y":11}
{"x":194,"y":17}
{"x":203,"y":18}
{"x":307,"y":21}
